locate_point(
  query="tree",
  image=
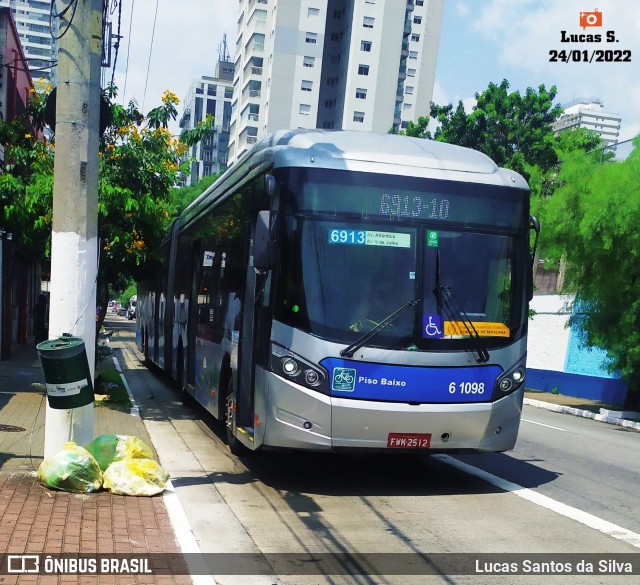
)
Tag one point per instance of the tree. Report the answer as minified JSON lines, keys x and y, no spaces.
{"x":593,"y":217}
{"x":514,"y":130}
{"x":139,"y":164}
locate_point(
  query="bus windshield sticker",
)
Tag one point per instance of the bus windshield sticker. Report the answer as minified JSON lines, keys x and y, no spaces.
{"x":369,"y":238}
{"x":208,"y":258}
{"x":432,"y":326}
{"x":432,"y":239}
{"x":483,"y":328}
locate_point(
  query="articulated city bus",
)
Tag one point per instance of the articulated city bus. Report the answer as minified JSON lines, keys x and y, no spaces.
{"x":348,"y":290}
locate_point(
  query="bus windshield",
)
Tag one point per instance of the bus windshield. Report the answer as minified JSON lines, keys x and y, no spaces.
{"x":339,"y":278}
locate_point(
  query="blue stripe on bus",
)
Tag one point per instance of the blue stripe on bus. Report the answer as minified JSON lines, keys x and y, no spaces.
{"x":371,"y":381}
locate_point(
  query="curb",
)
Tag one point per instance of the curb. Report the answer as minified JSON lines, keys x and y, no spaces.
{"x":583,"y":413}
{"x":179,"y":522}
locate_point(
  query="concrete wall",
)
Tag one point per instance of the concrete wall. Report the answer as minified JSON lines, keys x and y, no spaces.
{"x":558,"y":360}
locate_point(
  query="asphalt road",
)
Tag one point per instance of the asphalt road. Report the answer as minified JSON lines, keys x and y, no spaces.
{"x":580,"y":462}
{"x":562,"y":476}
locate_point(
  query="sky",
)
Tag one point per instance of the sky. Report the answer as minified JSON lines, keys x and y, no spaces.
{"x":481,"y":42}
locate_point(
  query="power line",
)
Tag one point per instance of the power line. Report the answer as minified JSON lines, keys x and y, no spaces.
{"x":126,"y":68}
{"x":153,"y":34}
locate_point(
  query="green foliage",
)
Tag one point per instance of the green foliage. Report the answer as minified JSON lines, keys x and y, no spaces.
{"x":593,"y":218}
{"x":138,"y":165}
{"x":183,"y":196}
{"x":514,"y":130}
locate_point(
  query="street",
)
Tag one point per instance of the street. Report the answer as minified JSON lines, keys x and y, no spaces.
{"x":302,"y":502}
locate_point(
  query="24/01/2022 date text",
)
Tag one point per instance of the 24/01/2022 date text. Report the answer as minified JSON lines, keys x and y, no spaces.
{"x":593,"y":56}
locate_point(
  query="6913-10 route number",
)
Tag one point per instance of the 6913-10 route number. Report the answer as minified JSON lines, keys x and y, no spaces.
{"x":466,"y":388}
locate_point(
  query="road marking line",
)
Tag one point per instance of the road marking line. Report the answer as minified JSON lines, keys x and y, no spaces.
{"x":543,"y":425}
{"x":585,"y":518}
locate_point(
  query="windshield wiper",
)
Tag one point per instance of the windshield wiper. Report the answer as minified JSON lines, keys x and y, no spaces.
{"x":358,"y":343}
{"x":446,"y":295}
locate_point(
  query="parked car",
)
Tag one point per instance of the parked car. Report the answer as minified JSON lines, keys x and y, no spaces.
{"x":122,"y":311}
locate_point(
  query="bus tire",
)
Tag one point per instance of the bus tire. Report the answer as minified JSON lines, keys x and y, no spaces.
{"x":235,"y":446}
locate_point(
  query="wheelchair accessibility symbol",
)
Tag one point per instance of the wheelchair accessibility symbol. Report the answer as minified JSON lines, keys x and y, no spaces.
{"x":431,"y":326}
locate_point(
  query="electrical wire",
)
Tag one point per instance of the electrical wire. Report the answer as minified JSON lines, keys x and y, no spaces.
{"x":153,"y":34}
{"x":117,"y":43}
{"x":53,"y":13}
{"x":126,"y":68}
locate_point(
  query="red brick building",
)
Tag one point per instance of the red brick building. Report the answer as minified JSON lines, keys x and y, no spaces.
{"x":19,"y":274}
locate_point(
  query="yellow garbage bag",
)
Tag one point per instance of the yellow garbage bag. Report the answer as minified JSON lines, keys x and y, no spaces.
{"x":135,"y":477}
{"x":73,"y":469}
{"x":109,"y":448}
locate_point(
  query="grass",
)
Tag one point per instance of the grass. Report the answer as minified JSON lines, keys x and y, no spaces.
{"x":109,"y":384}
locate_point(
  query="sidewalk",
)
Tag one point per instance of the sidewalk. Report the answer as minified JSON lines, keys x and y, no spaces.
{"x":35,"y":519}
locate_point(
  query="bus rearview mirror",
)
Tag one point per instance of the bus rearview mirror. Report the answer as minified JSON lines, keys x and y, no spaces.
{"x":263,"y":240}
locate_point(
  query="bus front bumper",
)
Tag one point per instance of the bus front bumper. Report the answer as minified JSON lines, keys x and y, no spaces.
{"x":302,"y":419}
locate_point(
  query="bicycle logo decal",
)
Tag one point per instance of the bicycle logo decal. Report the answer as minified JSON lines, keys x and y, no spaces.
{"x":432,"y":326}
{"x":343,"y":380}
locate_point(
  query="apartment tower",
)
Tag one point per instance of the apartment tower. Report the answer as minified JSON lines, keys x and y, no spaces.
{"x":210,"y":96}
{"x":32,"y":23}
{"x":589,"y":113}
{"x":337,"y":64}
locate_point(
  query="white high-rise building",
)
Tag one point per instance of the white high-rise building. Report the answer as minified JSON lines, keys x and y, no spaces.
{"x":337,"y":64}
{"x":32,"y":18}
{"x":210,"y":96}
{"x":589,"y":113}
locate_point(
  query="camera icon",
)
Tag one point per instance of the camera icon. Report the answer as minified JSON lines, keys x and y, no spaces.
{"x":590,"y":19}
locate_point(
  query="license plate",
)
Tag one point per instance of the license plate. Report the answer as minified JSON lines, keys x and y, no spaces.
{"x":408,"y":441}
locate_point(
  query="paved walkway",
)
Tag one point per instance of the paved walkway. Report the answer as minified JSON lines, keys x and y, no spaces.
{"x":35,"y":519}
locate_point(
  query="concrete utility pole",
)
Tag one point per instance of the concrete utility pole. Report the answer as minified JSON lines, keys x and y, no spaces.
{"x":74,"y":245}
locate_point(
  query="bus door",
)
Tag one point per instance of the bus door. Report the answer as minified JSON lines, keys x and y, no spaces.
{"x":192,"y":324}
{"x":254,"y":340}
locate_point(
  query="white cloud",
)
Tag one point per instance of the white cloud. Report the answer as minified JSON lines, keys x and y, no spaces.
{"x":524,"y":32}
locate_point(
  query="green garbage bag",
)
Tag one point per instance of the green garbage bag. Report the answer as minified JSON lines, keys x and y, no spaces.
{"x":135,"y":477}
{"x":73,"y":469}
{"x":109,"y":448}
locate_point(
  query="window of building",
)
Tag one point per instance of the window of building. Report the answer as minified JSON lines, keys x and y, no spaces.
{"x":306,"y":85}
{"x":417,"y":20}
{"x":361,"y":93}
{"x":329,"y":103}
{"x":408,"y":90}
{"x":413,"y":54}
{"x":358,"y":116}
{"x":311,"y":37}
{"x":365,"y":46}
{"x":415,"y":38}
{"x":363,"y":69}
{"x":407,"y":106}
{"x":419,"y":2}
{"x":369,"y":1}
{"x":308,"y":61}
{"x":411,"y":72}
{"x":313,"y":12}
{"x":305,"y":109}
{"x":368,"y":22}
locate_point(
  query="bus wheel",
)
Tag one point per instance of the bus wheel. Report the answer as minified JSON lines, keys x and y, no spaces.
{"x":235,"y":446}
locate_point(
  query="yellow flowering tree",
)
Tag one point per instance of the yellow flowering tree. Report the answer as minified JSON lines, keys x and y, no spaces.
{"x":139,"y":163}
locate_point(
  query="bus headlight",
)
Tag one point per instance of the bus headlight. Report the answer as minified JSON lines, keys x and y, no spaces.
{"x":290,"y":367}
{"x":509,"y":381}
{"x":298,"y":369}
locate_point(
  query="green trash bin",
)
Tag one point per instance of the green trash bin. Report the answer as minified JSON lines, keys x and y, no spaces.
{"x":66,"y":372}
